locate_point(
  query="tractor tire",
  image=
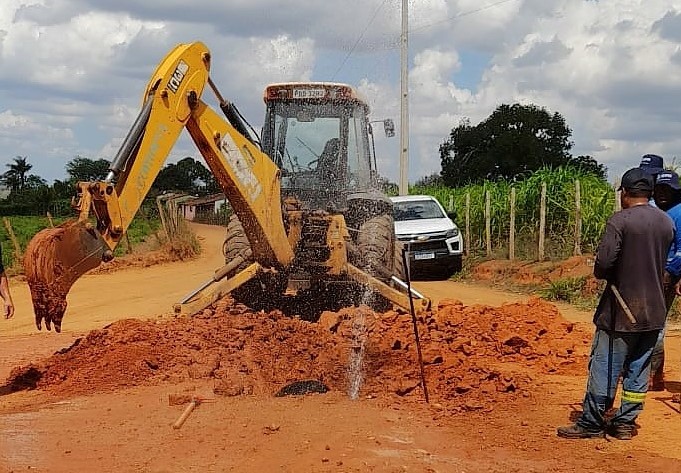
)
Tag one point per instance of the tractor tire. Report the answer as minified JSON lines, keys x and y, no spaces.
{"x":236,"y":243}
{"x":375,"y":246}
{"x":398,"y":263}
{"x":376,"y":257}
{"x":257,"y":293}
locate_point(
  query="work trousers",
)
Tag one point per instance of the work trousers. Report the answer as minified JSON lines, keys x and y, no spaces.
{"x":614,"y":354}
{"x":657,"y":360}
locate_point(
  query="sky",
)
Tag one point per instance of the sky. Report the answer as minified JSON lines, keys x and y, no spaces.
{"x":72,"y":72}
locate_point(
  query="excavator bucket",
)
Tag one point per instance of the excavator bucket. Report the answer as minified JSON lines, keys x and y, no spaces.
{"x":55,"y":258}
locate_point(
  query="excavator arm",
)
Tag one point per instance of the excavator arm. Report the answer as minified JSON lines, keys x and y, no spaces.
{"x":56,"y":258}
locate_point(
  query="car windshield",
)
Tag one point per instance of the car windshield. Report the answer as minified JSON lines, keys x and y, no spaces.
{"x":416,"y":210}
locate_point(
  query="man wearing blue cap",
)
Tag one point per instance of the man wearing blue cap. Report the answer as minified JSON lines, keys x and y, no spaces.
{"x":652,"y":164}
{"x":667,"y":197}
{"x":631,"y":257}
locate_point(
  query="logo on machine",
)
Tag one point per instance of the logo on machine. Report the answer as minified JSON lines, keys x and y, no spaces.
{"x":178,"y":76}
{"x":241,"y":168}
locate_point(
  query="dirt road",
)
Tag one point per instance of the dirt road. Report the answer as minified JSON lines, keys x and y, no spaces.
{"x":130,"y":430}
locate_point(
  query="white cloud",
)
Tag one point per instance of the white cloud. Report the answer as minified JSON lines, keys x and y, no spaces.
{"x":72,"y":71}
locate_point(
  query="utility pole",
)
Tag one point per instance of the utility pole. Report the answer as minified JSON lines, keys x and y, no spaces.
{"x":404,"y":103}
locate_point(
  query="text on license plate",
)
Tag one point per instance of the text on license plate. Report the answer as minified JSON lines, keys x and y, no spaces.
{"x":424,"y":255}
{"x":308,"y":93}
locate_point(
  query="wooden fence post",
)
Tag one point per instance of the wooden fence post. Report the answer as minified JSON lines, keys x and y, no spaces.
{"x":542,"y":221}
{"x":49,"y":219}
{"x":15,"y":242}
{"x":618,"y":203}
{"x":162,"y":216}
{"x":488,"y":224}
{"x":451,"y":203}
{"x":511,"y":232}
{"x":578,"y":219}
{"x":128,"y":245}
{"x":468,"y":223}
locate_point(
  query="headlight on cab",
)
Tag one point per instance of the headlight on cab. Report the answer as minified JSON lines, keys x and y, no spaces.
{"x":452,"y":233}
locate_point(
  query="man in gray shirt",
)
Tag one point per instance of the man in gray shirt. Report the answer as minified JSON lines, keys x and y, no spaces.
{"x":631,"y":312}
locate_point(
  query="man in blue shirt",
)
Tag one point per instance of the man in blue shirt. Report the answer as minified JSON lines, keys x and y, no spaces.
{"x":667,"y":197}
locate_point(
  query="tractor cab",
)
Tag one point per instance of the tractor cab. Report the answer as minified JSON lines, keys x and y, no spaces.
{"x":318,"y":135}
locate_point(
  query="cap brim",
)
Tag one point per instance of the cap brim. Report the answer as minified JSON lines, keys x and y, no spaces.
{"x":653,"y":171}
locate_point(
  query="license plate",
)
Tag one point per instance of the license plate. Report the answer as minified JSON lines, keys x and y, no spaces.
{"x":420,"y":256}
{"x":308,"y":93}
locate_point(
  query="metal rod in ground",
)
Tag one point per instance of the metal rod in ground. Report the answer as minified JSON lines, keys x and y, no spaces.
{"x":405,"y":261}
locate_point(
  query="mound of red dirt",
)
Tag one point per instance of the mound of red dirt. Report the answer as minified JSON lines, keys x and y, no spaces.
{"x":166,"y":254}
{"x":473,"y":355}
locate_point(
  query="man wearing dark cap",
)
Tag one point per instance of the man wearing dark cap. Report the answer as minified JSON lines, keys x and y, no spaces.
{"x":667,"y":197}
{"x":652,"y":164}
{"x":631,"y":257}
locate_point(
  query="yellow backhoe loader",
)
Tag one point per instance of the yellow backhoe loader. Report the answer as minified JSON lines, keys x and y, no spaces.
{"x":308,"y":217}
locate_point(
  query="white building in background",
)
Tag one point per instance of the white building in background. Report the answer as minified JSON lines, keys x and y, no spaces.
{"x":4,"y":192}
{"x":202,"y":208}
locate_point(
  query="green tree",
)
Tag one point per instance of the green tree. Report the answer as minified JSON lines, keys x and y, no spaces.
{"x":34,"y":182}
{"x":187,"y":175}
{"x":434,"y":180}
{"x":11,"y":180}
{"x":85,"y":169}
{"x":589,"y":165}
{"x":63,"y":189}
{"x":514,"y":140}
{"x":15,"y":177}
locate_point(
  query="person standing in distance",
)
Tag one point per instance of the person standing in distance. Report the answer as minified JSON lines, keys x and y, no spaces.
{"x":631,"y":257}
{"x":667,"y":196}
{"x":652,"y":164}
{"x":8,"y":309}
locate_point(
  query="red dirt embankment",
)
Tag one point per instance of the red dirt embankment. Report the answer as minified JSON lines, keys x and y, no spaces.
{"x":535,"y":273}
{"x":473,"y":355}
{"x":540,"y":274}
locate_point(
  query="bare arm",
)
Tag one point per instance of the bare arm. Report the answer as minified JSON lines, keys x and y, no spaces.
{"x":4,"y":292}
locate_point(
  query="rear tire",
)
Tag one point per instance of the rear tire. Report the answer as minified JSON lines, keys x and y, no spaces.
{"x":375,"y":244}
{"x":236,"y":243}
{"x":260,"y":293}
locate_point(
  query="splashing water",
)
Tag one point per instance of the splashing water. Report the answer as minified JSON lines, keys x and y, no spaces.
{"x":357,"y":348}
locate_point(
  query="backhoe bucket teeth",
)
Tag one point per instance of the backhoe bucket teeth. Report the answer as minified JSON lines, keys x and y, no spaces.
{"x":55,"y":258}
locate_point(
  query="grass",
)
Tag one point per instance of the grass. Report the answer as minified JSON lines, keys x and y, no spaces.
{"x":25,"y":227}
{"x":571,"y":290}
{"x":597,"y":205}
{"x":566,"y":290}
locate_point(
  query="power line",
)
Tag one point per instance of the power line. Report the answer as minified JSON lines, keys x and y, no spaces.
{"x":361,"y":36}
{"x":460,"y":15}
{"x":423,"y":27}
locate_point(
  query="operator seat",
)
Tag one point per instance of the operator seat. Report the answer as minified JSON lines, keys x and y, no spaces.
{"x":328,"y":164}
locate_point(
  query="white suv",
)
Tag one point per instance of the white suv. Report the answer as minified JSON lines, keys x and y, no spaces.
{"x":433,"y":240}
